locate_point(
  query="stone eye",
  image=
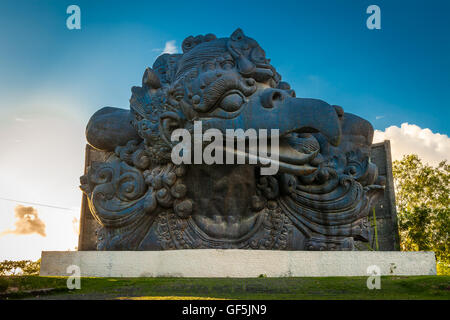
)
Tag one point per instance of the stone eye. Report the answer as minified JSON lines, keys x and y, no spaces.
{"x":232,"y":102}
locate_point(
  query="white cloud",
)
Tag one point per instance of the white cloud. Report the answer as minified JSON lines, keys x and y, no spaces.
{"x":410,"y":138}
{"x":170,"y":47}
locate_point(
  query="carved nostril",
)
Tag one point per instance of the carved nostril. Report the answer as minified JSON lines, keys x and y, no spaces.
{"x":277,"y":96}
{"x":270,"y":97}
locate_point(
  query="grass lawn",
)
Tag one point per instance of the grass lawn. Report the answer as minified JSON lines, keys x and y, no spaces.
{"x":415,"y":287}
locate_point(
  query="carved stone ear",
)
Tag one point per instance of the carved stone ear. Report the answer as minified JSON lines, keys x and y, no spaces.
{"x":168,"y":122}
{"x":151,"y":79}
{"x":110,"y":127}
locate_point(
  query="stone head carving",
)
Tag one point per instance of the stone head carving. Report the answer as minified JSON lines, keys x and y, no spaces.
{"x":318,"y":200}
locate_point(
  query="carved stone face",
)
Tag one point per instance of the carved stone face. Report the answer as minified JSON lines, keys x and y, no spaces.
{"x":228,"y":83}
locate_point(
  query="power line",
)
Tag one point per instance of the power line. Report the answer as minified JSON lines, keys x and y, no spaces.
{"x":38,"y":204}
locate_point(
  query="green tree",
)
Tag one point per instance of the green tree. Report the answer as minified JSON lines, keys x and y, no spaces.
{"x":22,"y":267}
{"x":423,"y":207}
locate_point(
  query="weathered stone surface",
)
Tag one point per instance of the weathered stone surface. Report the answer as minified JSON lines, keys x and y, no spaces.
{"x":386,"y":212}
{"x":87,"y":239}
{"x":236,"y":263}
{"x":319,"y":200}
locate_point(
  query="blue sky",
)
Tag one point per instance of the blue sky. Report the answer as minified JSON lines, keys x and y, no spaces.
{"x":398,"y":74}
{"x":53,"y":79}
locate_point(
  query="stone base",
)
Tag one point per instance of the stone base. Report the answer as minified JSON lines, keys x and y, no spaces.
{"x":236,"y":263}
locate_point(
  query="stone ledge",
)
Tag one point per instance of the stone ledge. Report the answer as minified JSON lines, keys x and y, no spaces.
{"x":236,"y":263}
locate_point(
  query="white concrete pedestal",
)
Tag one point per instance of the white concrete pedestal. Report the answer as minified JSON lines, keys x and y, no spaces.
{"x":236,"y":263}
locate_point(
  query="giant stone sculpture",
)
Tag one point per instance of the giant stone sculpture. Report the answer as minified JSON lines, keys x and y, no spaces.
{"x":319,"y":199}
